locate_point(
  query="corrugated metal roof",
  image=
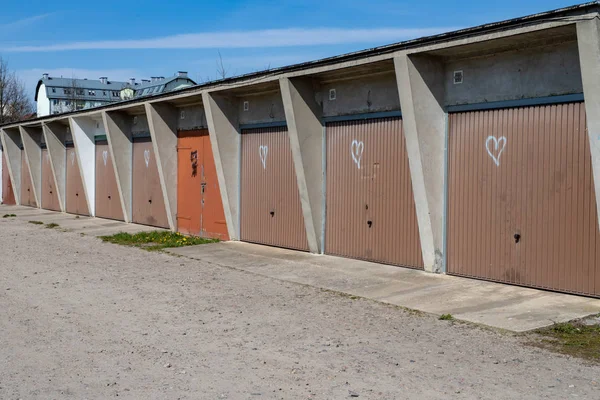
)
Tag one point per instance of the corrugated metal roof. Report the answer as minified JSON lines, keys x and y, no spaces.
{"x":158,"y":86}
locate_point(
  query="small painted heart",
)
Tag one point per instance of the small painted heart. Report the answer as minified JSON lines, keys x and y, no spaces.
{"x":262,"y":153}
{"x":356,"y":151}
{"x":147,"y":157}
{"x":497,"y":149}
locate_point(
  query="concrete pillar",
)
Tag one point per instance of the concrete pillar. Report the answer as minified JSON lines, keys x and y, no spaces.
{"x":120,"y":144}
{"x":224,"y":130}
{"x":162,"y":121}
{"x":588,"y":38}
{"x":11,"y":142}
{"x":32,"y":144}
{"x":55,"y":134}
{"x":303,"y":115}
{"x":1,"y":169}
{"x":421,"y":89}
{"x":82,"y":130}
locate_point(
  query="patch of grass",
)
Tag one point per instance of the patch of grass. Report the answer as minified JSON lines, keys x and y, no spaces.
{"x":155,"y":240}
{"x":9,"y":215}
{"x":36,"y":222}
{"x":446,"y":317}
{"x":52,"y":225}
{"x":572,"y":338}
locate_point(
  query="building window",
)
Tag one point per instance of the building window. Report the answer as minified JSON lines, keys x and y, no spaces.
{"x":67,"y":91}
{"x":91,"y":92}
{"x":80,"y":92}
{"x":115,"y":94}
{"x":55,"y":102}
{"x":104,"y":93}
{"x":67,"y":103}
{"x":53,"y":90}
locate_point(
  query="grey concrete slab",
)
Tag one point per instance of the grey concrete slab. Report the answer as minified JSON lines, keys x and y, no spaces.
{"x":80,"y":224}
{"x":493,"y":304}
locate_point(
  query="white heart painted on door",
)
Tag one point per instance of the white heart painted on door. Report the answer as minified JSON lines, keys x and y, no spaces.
{"x":73,"y":158}
{"x":498,"y":148}
{"x":147,"y":157}
{"x":262,"y":153}
{"x":104,"y":156}
{"x":356,"y":151}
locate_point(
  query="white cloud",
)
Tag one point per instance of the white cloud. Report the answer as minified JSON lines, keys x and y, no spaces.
{"x":24,"y":22}
{"x":245,"y":39}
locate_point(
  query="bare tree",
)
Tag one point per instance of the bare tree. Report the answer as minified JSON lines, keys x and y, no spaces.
{"x":222,"y":71}
{"x":73,"y":95}
{"x":14,"y":102}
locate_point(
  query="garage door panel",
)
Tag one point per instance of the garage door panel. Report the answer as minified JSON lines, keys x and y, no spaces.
{"x":108,"y":201}
{"x":370,"y":204}
{"x":49,"y":192}
{"x":271,"y":212}
{"x":8,"y":194}
{"x":521,"y":198}
{"x":148,"y":205}
{"x":27,"y":195}
{"x":76,"y":202}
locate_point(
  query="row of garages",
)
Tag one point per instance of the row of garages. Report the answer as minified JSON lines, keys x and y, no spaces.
{"x":492,"y":157}
{"x":521,"y":204}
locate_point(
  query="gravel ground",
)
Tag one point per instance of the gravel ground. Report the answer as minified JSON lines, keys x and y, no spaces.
{"x":81,"y":319}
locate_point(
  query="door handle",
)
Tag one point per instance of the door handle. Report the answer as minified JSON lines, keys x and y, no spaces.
{"x":517,"y":237}
{"x":370,"y":223}
{"x":272,"y":213}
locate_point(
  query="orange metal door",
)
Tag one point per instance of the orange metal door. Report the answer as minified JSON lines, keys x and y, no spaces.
{"x":148,"y":205}
{"x":108,"y":201}
{"x":49,"y":192}
{"x":76,"y":203}
{"x":8,"y":194}
{"x":271,"y":212}
{"x":27,"y":195}
{"x":199,"y":206}
{"x":213,"y":215}
{"x":371,"y":212}
{"x":189,"y":185}
{"x":522,"y":206}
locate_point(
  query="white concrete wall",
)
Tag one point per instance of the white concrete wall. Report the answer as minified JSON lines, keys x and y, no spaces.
{"x":1,"y":183}
{"x":82,"y":129}
{"x":43,"y":103}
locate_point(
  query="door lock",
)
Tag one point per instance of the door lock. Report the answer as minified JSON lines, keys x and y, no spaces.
{"x":272,"y":213}
{"x":370,"y":223}
{"x":517,"y":237}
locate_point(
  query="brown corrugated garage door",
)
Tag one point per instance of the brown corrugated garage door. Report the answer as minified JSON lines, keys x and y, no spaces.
{"x":271,"y":212}
{"x":148,"y":205}
{"x":108,"y":201}
{"x":199,"y":206}
{"x":371,"y":211}
{"x":27,"y":195}
{"x":8,"y":194}
{"x":76,"y":202}
{"x":49,"y":192}
{"x":522,"y":207}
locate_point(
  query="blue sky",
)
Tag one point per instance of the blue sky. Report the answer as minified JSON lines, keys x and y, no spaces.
{"x":121,"y":39}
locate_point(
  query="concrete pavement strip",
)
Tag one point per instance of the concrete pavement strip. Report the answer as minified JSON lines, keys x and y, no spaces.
{"x":497,"y":305}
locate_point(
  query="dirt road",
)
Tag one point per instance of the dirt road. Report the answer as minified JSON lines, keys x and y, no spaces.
{"x":81,"y":319}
